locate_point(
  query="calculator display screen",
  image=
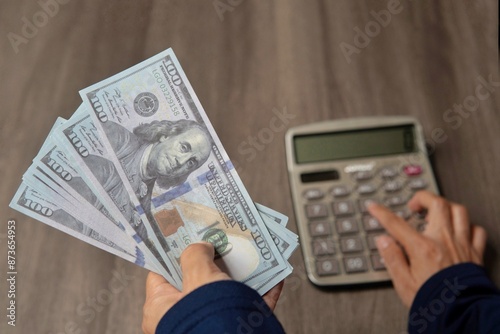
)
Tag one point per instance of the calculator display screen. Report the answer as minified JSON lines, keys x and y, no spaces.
{"x":354,"y":144}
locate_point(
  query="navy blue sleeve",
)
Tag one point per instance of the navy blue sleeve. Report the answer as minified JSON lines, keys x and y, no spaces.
{"x":220,"y":307}
{"x":458,"y":299}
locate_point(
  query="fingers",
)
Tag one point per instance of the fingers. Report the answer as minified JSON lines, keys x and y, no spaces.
{"x":198,"y":267}
{"x":396,"y":226}
{"x":272,"y":296}
{"x":397,"y":266}
{"x":196,"y":258}
{"x":460,"y":222}
{"x":153,"y":281}
{"x":479,"y":241}
{"x":438,"y":208}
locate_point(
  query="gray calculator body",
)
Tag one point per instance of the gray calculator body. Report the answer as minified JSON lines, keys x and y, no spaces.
{"x":337,"y":167}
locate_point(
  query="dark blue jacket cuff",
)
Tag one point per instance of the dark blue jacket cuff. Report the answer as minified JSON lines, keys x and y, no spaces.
{"x":220,"y":307}
{"x":458,"y":299}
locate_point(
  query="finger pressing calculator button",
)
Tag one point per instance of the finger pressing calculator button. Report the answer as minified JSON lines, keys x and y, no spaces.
{"x":366,"y":188}
{"x":393,"y":186}
{"x":326,"y":267}
{"x":370,"y":240}
{"x":355,"y":264}
{"x":323,"y":246}
{"x":394,"y":201}
{"x":389,"y":172}
{"x":417,"y":184}
{"x":363,"y":204}
{"x":312,"y":194}
{"x":405,"y":214}
{"x":347,"y":225}
{"x":350,"y":245}
{"x":319,"y":228}
{"x":371,"y":224}
{"x":412,"y":170}
{"x":340,"y":191}
{"x":343,"y":208}
{"x":316,"y":211}
{"x":377,"y":262}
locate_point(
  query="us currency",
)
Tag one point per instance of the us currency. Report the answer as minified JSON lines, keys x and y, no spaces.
{"x":285,"y":240}
{"x":54,"y":164}
{"x":168,"y":155}
{"x":276,"y":216}
{"x":90,"y":222}
{"x":78,"y":137}
{"x":33,"y":204}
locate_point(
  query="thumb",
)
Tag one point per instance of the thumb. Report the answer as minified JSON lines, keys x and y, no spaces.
{"x":198,"y":267}
{"x":397,"y":266}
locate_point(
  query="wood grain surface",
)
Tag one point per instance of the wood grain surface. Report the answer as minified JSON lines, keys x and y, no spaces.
{"x":245,"y":60}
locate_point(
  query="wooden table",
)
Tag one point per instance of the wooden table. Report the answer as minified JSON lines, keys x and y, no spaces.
{"x":247,"y":59}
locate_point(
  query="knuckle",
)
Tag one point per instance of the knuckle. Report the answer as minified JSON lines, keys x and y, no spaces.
{"x":429,"y":249}
{"x":440,"y":203}
{"x":460,"y":210}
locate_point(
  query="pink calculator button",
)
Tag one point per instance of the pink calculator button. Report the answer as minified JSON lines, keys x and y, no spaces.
{"x":412,"y":170}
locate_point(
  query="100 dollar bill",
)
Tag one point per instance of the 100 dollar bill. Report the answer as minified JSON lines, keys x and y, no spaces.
{"x":170,"y":159}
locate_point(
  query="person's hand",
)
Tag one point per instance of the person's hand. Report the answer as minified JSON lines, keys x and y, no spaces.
{"x":198,"y":268}
{"x":448,"y":239}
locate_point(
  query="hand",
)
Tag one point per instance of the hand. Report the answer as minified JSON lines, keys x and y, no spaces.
{"x":448,"y":239}
{"x":198,"y":268}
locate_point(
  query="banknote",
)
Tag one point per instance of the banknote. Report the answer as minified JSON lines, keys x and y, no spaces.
{"x":286,"y":241}
{"x":278,"y":217}
{"x":168,"y":155}
{"x":53,"y":163}
{"x":33,"y":204}
{"x":79,"y":138}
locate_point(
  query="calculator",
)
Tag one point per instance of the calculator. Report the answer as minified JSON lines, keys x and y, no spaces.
{"x":335,"y":169}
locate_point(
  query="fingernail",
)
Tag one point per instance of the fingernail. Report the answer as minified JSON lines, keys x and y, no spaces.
{"x":383,"y":242}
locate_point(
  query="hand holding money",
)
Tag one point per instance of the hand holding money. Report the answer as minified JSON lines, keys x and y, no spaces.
{"x":139,"y":171}
{"x":198,"y":269}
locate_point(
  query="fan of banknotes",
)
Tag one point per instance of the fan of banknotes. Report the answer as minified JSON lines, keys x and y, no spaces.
{"x":139,"y":172}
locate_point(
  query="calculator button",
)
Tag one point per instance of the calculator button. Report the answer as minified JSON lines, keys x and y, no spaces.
{"x":394,"y":201}
{"x":340,"y":191}
{"x":347,"y":225}
{"x":319,"y":228}
{"x":412,"y":170}
{"x":405,"y":214}
{"x":377,"y":262}
{"x":363,"y":203}
{"x":371,"y":224}
{"x":389,"y":172}
{"x":393,"y":186}
{"x":350,"y":245}
{"x":323,"y":247}
{"x":366,"y":188}
{"x":355,"y":264}
{"x":421,"y":226}
{"x":363,"y":175}
{"x":316,"y":211}
{"x":312,"y":194}
{"x":370,"y":240}
{"x":343,"y":208}
{"x":327,"y":267}
{"x":417,"y":184}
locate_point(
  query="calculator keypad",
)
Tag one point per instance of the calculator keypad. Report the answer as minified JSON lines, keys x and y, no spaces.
{"x":342,"y":231}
